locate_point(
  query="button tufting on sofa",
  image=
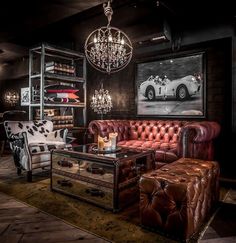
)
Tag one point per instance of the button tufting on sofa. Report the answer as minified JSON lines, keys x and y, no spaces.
{"x":170,"y":139}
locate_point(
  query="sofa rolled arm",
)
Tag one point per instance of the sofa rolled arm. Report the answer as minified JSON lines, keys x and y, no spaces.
{"x":205,"y":131}
{"x":196,"y":140}
{"x":104,"y":127}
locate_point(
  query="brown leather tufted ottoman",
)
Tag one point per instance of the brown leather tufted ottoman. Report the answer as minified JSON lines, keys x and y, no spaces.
{"x":178,"y":198}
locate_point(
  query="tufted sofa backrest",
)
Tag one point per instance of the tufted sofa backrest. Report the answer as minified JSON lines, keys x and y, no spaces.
{"x":156,"y":130}
{"x":36,"y":130}
{"x":104,"y":127}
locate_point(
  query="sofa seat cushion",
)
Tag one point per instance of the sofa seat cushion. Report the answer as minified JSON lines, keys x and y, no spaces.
{"x":35,"y":148}
{"x":39,"y":159}
{"x":41,"y":164}
{"x":164,"y":152}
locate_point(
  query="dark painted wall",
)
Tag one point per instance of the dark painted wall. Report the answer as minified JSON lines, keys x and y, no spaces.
{"x":13,"y":76}
{"x":218,"y":91}
{"x":215,"y":39}
{"x":122,"y":84}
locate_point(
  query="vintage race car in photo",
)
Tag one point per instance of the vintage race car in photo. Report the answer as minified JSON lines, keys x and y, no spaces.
{"x":181,"y":89}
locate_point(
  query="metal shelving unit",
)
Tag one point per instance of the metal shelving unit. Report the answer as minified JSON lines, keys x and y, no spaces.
{"x":38,"y":76}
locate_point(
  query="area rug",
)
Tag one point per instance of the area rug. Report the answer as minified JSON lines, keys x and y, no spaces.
{"x":118,"y":227}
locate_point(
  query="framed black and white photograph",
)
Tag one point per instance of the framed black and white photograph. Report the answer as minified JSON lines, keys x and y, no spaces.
{"x":25,"y":96}
{"x":171,"y":87}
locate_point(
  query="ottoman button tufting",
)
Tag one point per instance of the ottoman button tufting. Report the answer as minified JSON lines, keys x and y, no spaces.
{"x":173,"y":190}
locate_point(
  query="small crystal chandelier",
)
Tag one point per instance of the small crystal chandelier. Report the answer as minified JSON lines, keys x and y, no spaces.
{"x":101,"y":101}
{"x":108,"y":49}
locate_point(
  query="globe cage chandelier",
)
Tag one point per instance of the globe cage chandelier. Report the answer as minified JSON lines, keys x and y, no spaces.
{"x":101,"y":101}
{"x":108,"y":49}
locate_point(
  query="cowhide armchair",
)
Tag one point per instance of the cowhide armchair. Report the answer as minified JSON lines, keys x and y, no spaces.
{"x":32,"y":142}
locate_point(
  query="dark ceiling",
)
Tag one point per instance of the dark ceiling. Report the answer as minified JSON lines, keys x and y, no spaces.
{"x":23,"y":18}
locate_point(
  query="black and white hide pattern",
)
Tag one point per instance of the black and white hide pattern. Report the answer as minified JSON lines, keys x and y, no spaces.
{"x":32,"y":129}
{"x":41,"y":147}
{"x":57,"y":135}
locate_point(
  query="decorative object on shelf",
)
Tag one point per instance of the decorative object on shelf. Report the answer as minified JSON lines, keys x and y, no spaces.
{"x":61,"y":93}
{"x":11,"y":97}
{"x":108,"y":49}
{"x":101,"y":101}
{"x":25,"y":97}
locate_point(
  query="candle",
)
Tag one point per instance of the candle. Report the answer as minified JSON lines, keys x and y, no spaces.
{"x":100,"y":143}
{"x":107,"y":145}
{"x":112,"y":138}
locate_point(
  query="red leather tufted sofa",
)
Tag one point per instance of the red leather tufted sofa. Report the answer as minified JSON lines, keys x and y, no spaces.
{"x":171,"y":139}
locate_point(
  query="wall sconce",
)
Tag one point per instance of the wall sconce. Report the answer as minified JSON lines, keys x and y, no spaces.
{"x":11,"y":97}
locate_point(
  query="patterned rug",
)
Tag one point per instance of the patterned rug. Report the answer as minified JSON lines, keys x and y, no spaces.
{"x":120,"y":227}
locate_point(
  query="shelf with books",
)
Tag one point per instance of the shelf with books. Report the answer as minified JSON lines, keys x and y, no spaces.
{"x":57,"y":79}
{"x":59,"y":121}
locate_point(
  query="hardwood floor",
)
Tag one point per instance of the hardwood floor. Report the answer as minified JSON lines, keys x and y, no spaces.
{"x":221,"y":227}
{"x":20,"y":222}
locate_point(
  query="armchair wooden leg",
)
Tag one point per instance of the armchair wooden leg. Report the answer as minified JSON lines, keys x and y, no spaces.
{"x":18,"y":171}
{"x":2,"y":147}
{"x":29,"y":176}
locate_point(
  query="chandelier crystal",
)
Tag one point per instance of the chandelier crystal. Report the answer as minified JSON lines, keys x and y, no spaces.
{"x":101,"y":101}
{"x":108,"y":49}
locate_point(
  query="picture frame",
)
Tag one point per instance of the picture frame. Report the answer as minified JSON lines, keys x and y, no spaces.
{"x":171,"y":86}
{"x":25,"y":99}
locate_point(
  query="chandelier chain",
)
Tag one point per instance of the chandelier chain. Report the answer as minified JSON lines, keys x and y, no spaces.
{"x":108,"y":12}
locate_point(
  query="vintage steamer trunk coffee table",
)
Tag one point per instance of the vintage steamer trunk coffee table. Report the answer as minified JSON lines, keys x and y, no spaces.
{"x":109,"y":180}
